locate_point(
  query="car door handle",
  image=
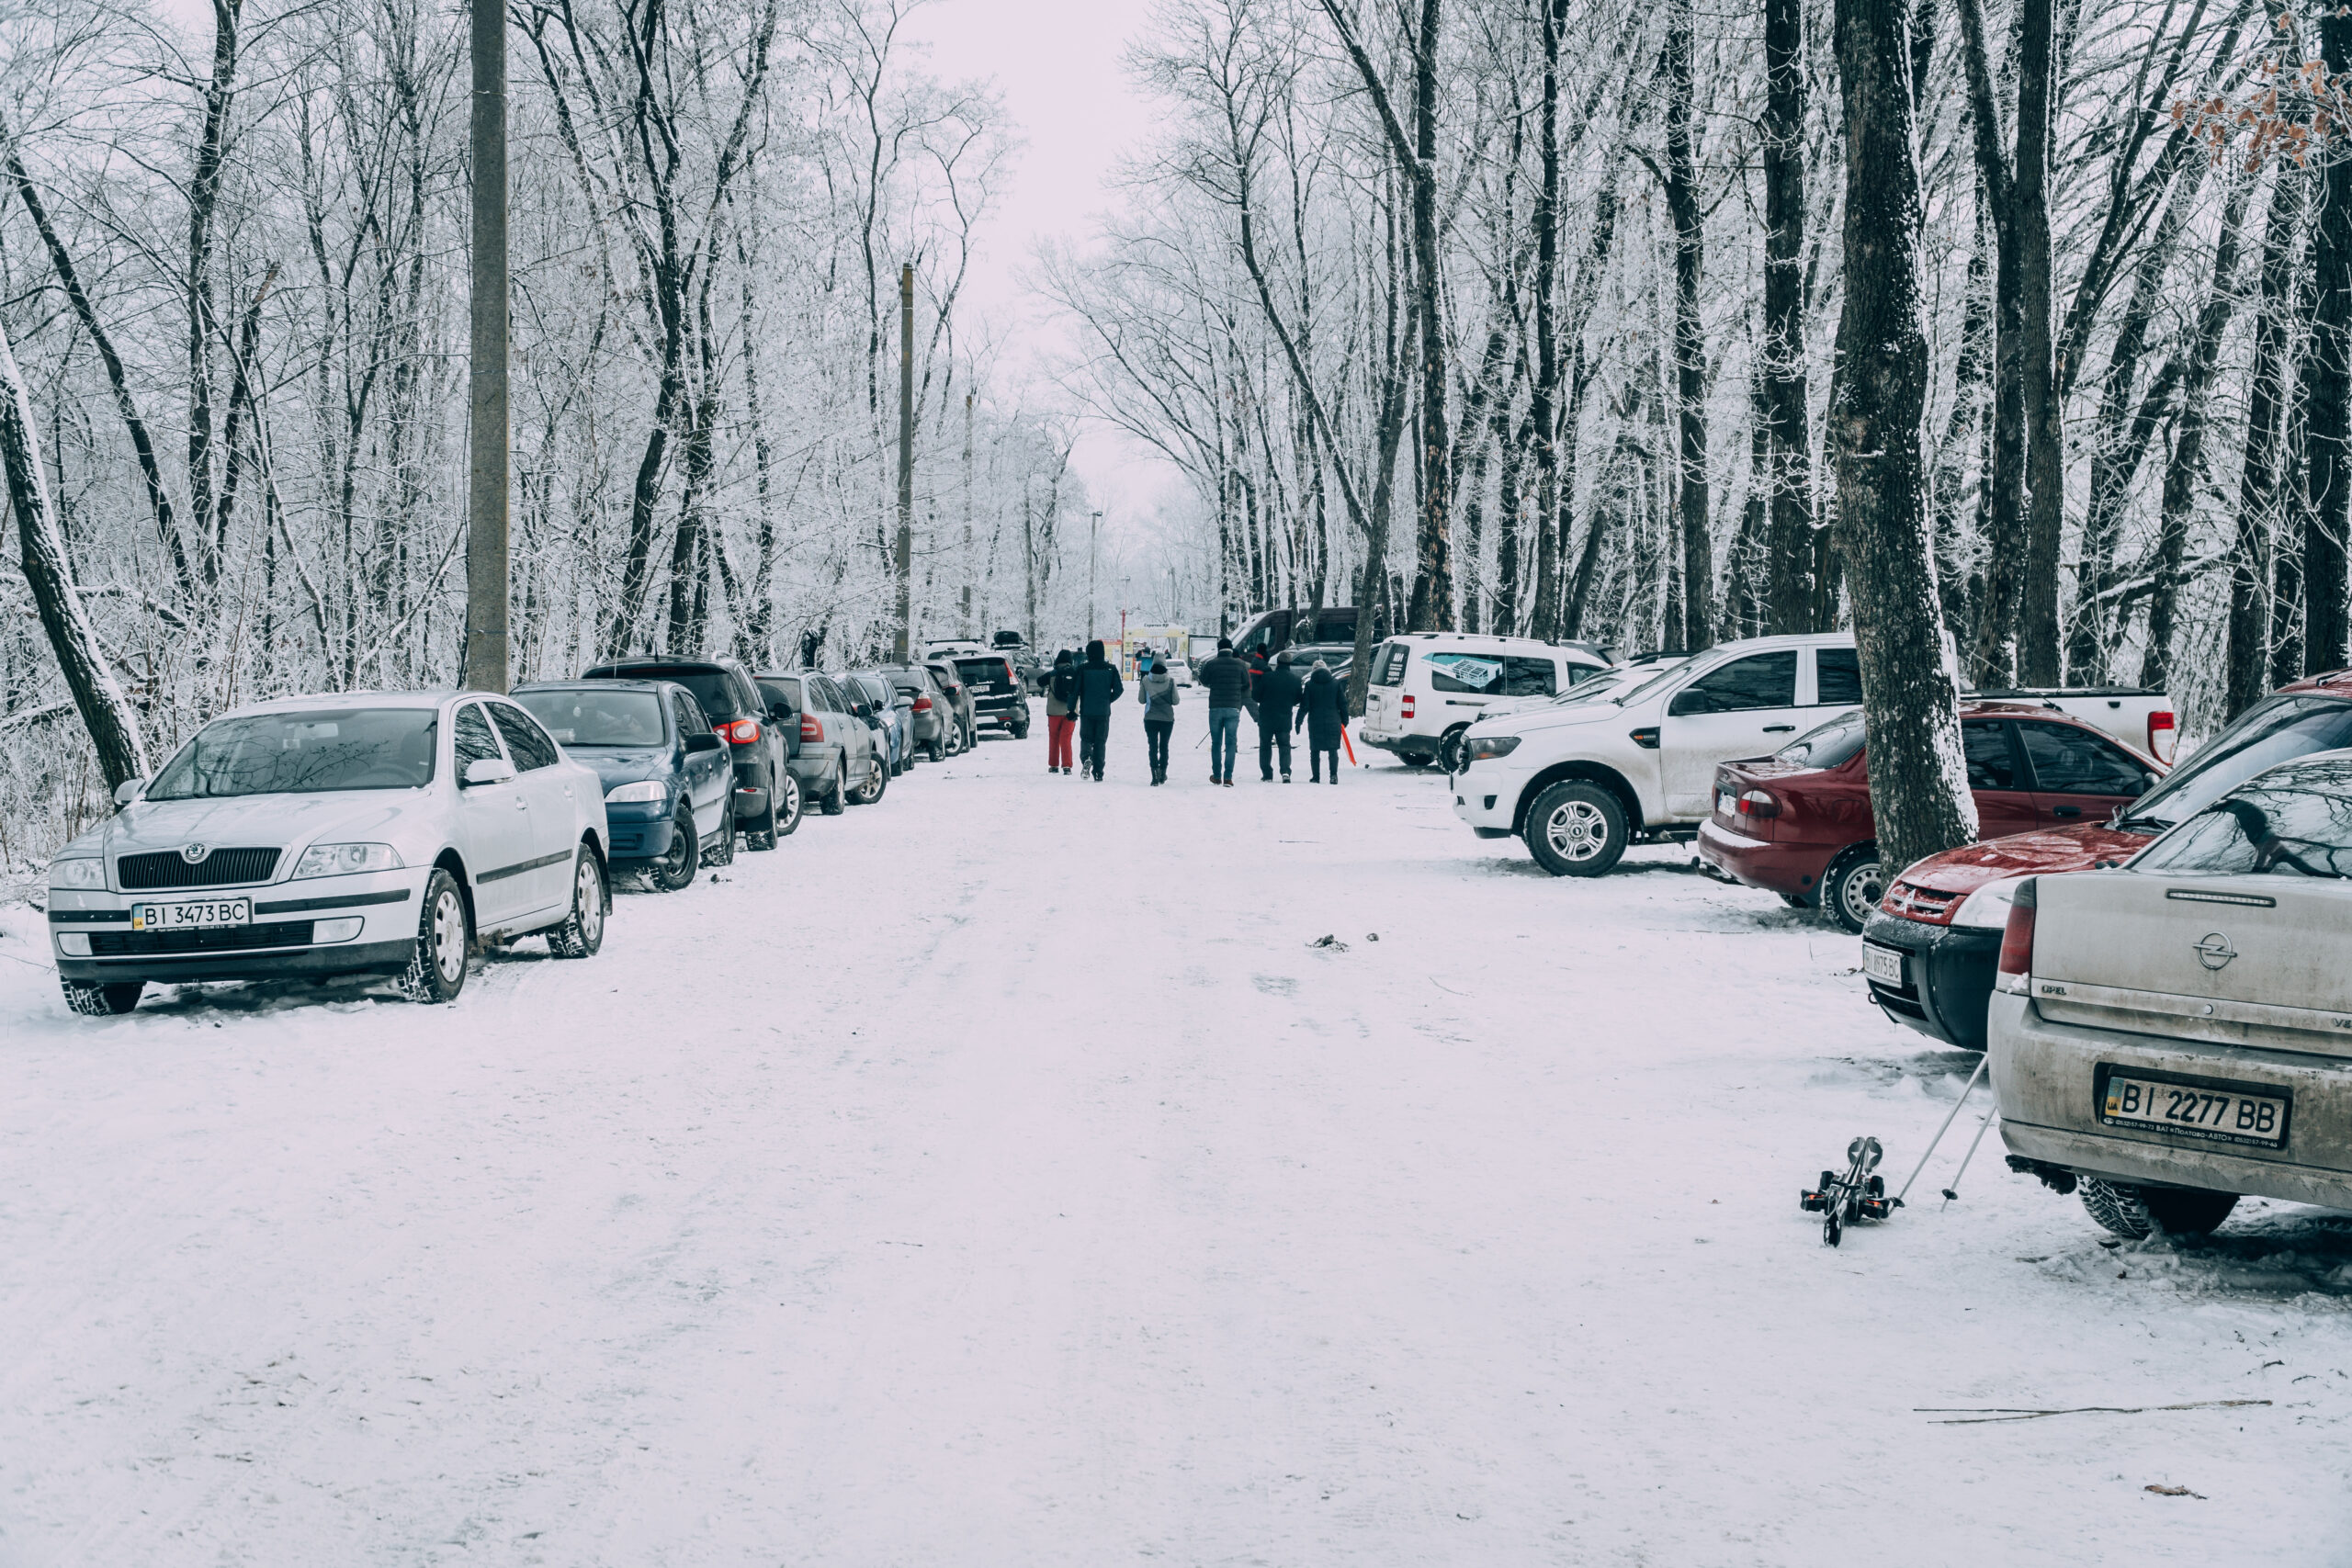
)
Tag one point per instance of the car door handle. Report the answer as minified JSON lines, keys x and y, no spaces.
{"x":1779,"y":728}
{"x":2065,"y":811}
{"x":521,"y":803}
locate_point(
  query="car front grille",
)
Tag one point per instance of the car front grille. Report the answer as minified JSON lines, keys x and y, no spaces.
{"x":1929,"y":906}
{"x":161,"y":869}
{"x":199,"y":939}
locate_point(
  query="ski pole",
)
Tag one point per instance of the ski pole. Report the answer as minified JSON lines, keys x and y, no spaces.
{"x":1951,"y":1193}
{"x":1348,"y":744}
{"x":1940,"y":1131}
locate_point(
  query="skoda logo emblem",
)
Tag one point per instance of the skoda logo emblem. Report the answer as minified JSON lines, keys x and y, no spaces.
{"x":195,"y":852}
{"x":2215,"y":951}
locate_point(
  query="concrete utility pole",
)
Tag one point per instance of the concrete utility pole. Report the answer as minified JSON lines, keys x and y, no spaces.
{"x":486,"y":375}
{"x":906,"y":460}
{"x":1094,"y":533}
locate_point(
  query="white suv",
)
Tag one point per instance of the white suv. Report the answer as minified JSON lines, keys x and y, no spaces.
{"x":1427,"y":688}
{"x":1581,"y":781}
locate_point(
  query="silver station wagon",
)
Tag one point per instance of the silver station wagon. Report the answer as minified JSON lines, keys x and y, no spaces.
{"x":359,"y":833}
{"x":2176,"y":1033}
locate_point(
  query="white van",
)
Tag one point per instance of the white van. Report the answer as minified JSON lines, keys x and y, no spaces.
{"x":1426,"y":687}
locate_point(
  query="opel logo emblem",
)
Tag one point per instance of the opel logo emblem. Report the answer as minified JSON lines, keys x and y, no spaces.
{"x":195,"y":852}
{"x":2215,"y":951}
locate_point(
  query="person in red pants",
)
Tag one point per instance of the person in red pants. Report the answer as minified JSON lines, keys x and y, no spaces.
{"x":1061,"y":713}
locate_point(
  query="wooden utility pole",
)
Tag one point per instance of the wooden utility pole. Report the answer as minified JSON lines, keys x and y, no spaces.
{"x":486,"y":467}
{"x":905,"y":553}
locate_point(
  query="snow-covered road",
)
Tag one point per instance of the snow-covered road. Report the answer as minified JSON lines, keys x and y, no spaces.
{"x":997,"y":1175}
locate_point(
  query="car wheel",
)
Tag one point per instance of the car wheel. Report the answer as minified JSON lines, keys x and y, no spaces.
{"x":1449,"y":748}
{"x":762,"y":834}
{"x":938,"y":750}
{"x":1852,"y":886}
{"x":675,"y":869}
{"x":835,"y":800}
{"x":787,"y":805}
{"x":876,"y":780}
{"x":1415,"y":759}
{"x":1021,"y":732}
{"x":1576,"y":829}
{"x":2138,"y":1213}
{"x":436,"y":970}
{"x":723,"y":852}
{"x":582,"y":931}
{"x":102,"y":1001}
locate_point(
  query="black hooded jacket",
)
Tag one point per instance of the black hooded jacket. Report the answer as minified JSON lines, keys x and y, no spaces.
{"x":1324,"y":713}
{"x":1098,"y":684}
{"x":1278,"y":692}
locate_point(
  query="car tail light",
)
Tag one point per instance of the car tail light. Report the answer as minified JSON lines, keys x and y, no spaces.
{"x":740,"y":732}
{"x":2017,"y":941}
{"x":1407,"y":704}
{"x":810,"y":731}
{"x":1756,"y":803}
{"x":2162,"y":736}
{"x":922,"y":704}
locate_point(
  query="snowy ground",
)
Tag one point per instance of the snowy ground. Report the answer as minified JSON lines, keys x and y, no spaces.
{"x":998,"y":1176}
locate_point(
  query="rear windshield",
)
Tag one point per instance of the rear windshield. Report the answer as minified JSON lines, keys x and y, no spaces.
{"x":302,"y":753}
{"x":597,"y":718}
{"x":1831,"y":745}
{"x":711,"y":688}
{"x":979,"y":671}
{"x":782,"y":691}
{"x":2278,"y":730}
{"x":2292,"y":821}
{"x":1388,"y":665}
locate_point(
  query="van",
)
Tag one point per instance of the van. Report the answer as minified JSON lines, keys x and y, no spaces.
{"x":1277,"y":629}
{"x":1426,"y":687}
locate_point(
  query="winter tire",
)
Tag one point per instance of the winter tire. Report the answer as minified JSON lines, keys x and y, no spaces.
{"x":2138,"y":1213}
{"x":101,"y":1000}
{"x":787,"y":805}
{"x":938,"y":750}
{"x":761,"y":834}
{"x":871,"y":790}
{"x":436,"y":970}
{"x":1852,"y":886}
{"x":1449,"y":750}
{"x":582,"y":931}
{"x":723,"y":852}
{"x":676,"y":869}
{"x":1021,"y":732}
{"x":836,"y":800}
{"x":1576,"y":829}
{"x":1415,"y":759}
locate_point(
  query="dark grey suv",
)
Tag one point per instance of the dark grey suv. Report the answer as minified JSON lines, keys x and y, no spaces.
{"x":764,"y":794}
{"x":997,"y":698}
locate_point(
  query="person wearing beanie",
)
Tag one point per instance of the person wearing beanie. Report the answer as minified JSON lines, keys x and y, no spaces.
{"x":1156,"y":689}
{"x":1227,"y":679}
{"x":1062,"y":712}
{"x":1098,"y":687}
{"x":1278,"y":694}
{"x":1323,"y":715}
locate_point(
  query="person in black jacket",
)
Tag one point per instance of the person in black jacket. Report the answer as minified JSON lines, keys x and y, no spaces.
{"x":1227,"y":680}
{"x":1278,"y":694}
{"x":1324,"y":714}
{"x":1098,"y":687}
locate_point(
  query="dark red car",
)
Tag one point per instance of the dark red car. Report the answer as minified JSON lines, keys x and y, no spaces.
{"x":1799,"y":822}
{"x":1931,"y":951}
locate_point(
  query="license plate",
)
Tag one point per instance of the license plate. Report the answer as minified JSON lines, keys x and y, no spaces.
{"x":1883,"y":964}
{"x":1728,"y":804}
{"x":188,"y":917}
{"x":2220,"y":1113}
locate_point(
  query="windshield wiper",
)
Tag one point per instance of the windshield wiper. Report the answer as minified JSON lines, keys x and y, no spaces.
{"x":2142,"y":824}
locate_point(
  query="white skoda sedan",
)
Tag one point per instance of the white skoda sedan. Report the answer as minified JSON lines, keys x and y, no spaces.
{"x":359,"y":833}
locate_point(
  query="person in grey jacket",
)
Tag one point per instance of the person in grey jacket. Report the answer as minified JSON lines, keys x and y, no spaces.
{"x":1156,"y":688}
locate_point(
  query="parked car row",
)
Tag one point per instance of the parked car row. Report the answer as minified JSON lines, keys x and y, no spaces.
{"x":394,"y":834}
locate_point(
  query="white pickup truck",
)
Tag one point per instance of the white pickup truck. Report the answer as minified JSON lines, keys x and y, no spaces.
{"x":1580,"y":782}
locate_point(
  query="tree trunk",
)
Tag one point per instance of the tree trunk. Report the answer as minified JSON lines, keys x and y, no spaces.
{"x":1910,"y":700}
{"x":2248,"y":673}
{"x":1787,"y":475}
{"x":1689,"y":337}
{"x":49,"y":573}
{"x":1994,"y":661}
{"x":2327,"y":396}
{"x":2044,"y":430}
{"x":1542,"y":425}
{"x":1432,"y":601}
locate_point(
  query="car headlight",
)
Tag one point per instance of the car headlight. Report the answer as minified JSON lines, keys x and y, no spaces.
{"x":1481,"y":747}
{"x":341,"y":860}
{"x":1988,"y":907}
{"x":654,"y":790}
{"x":81,"y":870}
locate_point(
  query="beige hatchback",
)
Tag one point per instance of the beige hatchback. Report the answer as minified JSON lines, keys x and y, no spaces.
{"x":2176,"y":1033}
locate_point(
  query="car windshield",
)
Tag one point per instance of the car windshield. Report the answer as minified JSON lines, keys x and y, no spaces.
{"x":302,"y":753}
{"x":597,"y":718}
{"x":1655,"y":681}
{"x":1600,"y":686}
{"x":2292,"y":821}
{"x":2275,"y":730}
{"x":1831,"y":745}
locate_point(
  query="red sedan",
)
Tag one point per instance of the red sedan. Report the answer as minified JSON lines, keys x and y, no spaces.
{"x":1799,"y":822}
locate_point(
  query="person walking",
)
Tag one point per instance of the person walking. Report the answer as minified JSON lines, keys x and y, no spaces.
{"x":1098,"y":687}
{"x":1227,"y":679}
{"x":1323,"y":715}
{"x":1062,"y":712}
{"x":1156,"y":689}
{"x":1278,"y":694}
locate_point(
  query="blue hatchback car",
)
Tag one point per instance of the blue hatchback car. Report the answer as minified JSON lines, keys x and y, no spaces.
{"x":665,"y":771}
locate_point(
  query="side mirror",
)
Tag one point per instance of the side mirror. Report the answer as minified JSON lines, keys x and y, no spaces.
{"x":128,"y":791}
{"x":703,"y":740}
{"x":489,"y":770}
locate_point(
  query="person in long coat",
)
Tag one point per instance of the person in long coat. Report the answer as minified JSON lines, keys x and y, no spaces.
{"x":1323,"y":714}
